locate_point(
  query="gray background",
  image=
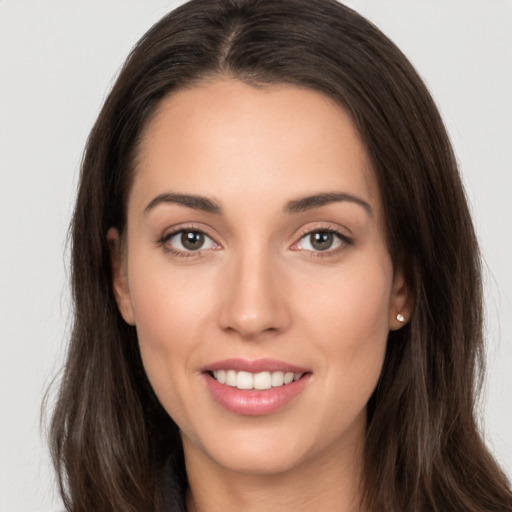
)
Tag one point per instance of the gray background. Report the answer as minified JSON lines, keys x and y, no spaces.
{"x":57,"y":62}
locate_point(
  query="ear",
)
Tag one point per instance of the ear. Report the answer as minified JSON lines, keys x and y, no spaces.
{"x":401,"y":302}
{"x":119,"y":277}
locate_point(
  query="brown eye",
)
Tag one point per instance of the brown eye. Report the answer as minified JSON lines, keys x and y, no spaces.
{"x":192,"y":240}
{"x":321,"y":240}
{"x":188,"y":241}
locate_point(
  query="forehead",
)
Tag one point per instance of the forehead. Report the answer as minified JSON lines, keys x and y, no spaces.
{"x":231,"y":141}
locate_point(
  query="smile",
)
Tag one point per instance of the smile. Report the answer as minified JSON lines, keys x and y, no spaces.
{"x":260,"y":381}
{"x":255,"y":387}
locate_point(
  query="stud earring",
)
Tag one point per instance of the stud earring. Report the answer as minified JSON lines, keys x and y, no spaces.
{"x":400,"y":318}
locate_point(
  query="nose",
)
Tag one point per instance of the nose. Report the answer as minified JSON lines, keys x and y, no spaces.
{"x":254,"y":301}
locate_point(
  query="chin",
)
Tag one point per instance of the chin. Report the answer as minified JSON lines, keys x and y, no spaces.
{"x":256,"y":450}
{"x":259,"y":462}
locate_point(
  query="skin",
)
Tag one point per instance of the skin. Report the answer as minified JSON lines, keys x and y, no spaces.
{"x":259,"y":289}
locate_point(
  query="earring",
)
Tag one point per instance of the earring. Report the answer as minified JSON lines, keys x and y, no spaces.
{"x":400,"y":318}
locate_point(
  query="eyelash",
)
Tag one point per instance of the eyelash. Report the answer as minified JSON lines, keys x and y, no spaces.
{"x":164,"y":242}
{"x":343,"y":241}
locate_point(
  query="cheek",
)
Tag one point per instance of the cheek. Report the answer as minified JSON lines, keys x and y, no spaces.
{"x":170,"y":303}
{"x":352,"y":304}
{"x":349,"y":319}
{"x":171,"y":311}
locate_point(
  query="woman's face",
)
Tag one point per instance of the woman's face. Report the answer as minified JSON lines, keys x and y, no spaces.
{"x":255,"y":253}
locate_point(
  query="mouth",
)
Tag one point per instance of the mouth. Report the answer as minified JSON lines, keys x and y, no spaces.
{"x":255,"y":387}
{"x":259,"y":381}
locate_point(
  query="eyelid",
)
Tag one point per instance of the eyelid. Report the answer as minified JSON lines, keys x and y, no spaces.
{"x":329,"y":228}
{"x":305,"y":231}
{"x":171,"y":232}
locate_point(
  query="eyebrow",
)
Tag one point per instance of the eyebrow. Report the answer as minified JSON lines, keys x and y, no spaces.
{"x":190,"y":201}
{"x":296,"y":206}
{"x":322,"y":199}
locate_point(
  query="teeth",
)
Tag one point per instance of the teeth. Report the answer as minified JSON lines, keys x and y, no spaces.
{"x":244,"y":380}
{"x":260,"y":381}
{"x":231,"y":378}
{"x":277,"y":379}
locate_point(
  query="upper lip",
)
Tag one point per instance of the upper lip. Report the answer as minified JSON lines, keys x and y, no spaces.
{"x":254,"y":366}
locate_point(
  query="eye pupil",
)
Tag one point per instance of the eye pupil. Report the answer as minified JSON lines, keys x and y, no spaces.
{"x":192,"y":240}
{"x":321,"y":240}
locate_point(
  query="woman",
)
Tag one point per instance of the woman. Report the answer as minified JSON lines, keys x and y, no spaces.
{"x":276,"y":279}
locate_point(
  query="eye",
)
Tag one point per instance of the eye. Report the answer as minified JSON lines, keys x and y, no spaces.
{"x":320,"y":241}
{"x":187,"y":241}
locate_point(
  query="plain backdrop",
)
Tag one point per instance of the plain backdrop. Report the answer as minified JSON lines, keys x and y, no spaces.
{"x":57,"y":62}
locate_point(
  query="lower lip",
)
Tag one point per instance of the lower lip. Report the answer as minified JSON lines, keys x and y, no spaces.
{"x":255,"y":402}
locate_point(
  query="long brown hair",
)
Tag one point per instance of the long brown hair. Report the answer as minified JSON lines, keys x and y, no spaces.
{"x":110,"y":437}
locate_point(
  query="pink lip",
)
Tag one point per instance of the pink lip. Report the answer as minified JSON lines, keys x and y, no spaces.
{"x":254,"y":402}
{"x":254,"y":366}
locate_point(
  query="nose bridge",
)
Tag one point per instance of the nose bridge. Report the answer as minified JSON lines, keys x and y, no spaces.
{"x":253,"y":303}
